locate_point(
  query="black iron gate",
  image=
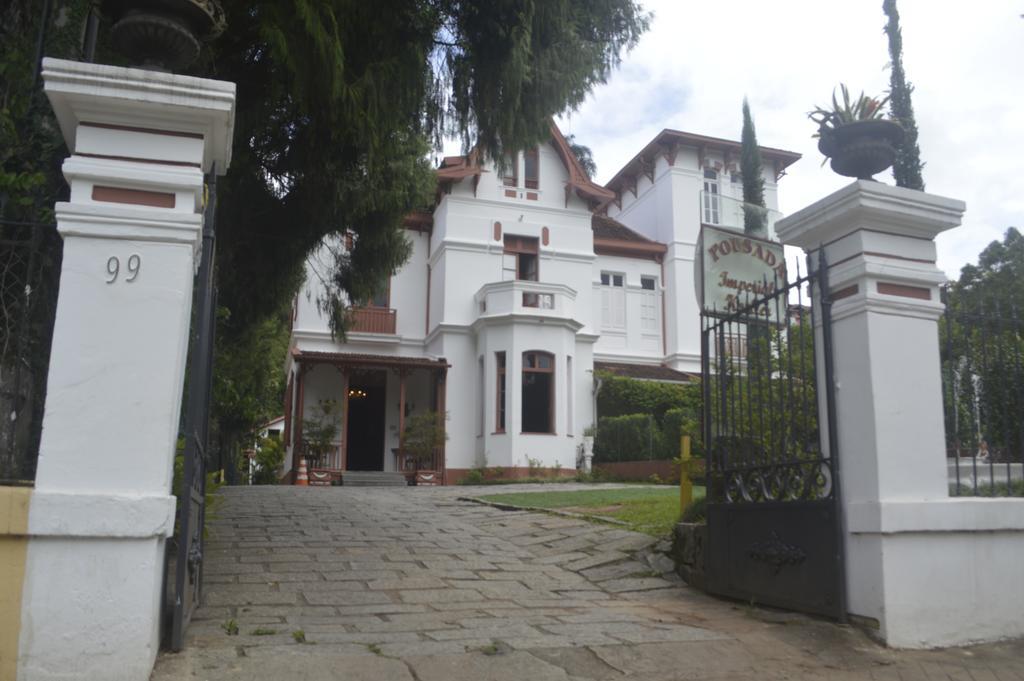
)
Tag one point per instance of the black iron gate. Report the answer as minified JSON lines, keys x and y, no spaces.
{"x":774,"y":521}
{"x":188,"y":536}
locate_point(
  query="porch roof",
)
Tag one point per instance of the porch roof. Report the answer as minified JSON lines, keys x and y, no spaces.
{"x":355,"y":359}
{"x":645,"y":372}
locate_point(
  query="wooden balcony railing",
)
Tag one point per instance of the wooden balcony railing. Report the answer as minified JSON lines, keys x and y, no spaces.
{"x":372,"y":320}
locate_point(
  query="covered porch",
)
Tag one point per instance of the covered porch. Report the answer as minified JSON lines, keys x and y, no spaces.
{"x":348,"y":412}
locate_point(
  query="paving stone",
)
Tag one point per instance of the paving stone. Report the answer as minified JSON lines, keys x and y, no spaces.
{"x":346,"y":597}
{"x":516,"y":666}
{"x":264,"y":577}
{"x":407,"y":583}
{"x":215,"y":596}
{"x":602,"y":558}
{"x":637,"y":584}
{"x":614,"y":571}
{"x":442,"y":596}
{"x":413,"y":574}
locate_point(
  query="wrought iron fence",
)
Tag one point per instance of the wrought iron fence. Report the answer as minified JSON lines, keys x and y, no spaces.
{"x":982,"y":346}
{"x":761,"y":403}
{"x":29,"y":276}
{"x":774,"y":525}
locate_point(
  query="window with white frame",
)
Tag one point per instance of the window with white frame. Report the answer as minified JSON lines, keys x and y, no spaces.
{"x":648,"y":304}
{"x":613,"y":300}
{"x":712,"y":192}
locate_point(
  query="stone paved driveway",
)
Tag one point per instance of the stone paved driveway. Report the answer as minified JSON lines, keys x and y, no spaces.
{"x":415,"y":585}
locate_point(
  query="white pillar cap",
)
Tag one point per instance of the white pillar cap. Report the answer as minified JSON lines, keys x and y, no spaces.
{"x":142,"y":99}
{"x":865,"y":204}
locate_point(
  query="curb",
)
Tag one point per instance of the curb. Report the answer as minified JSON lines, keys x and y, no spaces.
{"x":549,"y":511}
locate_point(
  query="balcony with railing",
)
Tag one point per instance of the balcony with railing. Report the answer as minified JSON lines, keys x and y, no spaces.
{"x":729,"y":213}
{"x":372,"y":320}
{"x":526,"y":297}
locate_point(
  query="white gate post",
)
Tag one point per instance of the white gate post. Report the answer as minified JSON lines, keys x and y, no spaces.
{"x":102,"y":506}
{"x":916,"y":559}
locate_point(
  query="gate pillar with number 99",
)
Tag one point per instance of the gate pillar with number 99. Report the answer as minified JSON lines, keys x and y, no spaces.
{"x":103,"y":507}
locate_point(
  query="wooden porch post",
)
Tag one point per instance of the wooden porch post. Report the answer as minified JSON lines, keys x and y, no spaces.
{"x":402,"y":373}
{"x":300,"y":412}
{"x":346,"y":385}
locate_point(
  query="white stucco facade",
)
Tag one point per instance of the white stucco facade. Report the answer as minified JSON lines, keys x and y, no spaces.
{"x":607,"y":278}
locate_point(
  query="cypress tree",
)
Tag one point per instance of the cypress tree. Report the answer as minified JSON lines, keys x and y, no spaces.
{"x":754,"y":214}
{"x":907,"y":167}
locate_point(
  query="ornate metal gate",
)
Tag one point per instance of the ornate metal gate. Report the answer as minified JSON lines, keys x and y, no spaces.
{"x":774,"y":521}
{"x":188,"y":565}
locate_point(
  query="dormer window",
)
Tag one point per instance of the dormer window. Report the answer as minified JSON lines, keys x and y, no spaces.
{"x":531,"y":168}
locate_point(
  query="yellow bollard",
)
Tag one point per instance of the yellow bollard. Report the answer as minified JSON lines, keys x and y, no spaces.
{"x":685,"y":485}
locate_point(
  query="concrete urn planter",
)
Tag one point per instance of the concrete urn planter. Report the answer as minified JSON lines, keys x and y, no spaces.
{"x":862,"y":148}
{"x":587,"y":453}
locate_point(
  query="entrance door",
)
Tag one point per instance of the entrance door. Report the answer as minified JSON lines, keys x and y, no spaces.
{"x":365,"y":428}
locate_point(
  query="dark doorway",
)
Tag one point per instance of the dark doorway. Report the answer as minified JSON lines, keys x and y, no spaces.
{"x":365,"y":429}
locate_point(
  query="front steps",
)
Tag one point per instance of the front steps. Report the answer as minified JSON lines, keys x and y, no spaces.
{"x":373,"y":479}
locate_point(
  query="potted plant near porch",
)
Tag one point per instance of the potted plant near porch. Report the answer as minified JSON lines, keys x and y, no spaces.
{"x":855,"y":136}
{"x":319,"y":438}
{"x":424,"y":434}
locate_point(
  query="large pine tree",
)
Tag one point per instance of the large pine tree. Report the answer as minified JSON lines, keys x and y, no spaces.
{"x":908,"y":166}
{"x":755,"y":219}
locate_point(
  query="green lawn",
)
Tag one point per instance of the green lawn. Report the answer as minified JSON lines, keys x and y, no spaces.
{"x":652,"y":510}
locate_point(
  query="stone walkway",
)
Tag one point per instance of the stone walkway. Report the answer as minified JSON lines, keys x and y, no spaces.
{"x":413,"y":584}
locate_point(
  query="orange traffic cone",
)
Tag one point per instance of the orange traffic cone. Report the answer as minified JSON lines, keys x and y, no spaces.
{"x":302,"y":477}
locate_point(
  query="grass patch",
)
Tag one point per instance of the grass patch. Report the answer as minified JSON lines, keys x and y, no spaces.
{"x":649,"y":510}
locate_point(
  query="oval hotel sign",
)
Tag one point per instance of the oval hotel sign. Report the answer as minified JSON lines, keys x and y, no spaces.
{"x":734,"y":268}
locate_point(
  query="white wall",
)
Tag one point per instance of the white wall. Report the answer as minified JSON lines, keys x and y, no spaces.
{"x":631,"y":342}
{"x":669,"y":210}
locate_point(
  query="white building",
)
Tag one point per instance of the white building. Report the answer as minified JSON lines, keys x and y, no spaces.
{"x":520,"y":285}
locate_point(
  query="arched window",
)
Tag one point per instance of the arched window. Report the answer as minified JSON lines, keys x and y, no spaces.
{"x":538,"y":399}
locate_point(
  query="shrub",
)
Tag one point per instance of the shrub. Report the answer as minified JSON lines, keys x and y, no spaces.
{"x":424,"y":433}
{"x":635,"y":437}
{"x":269,"y":456}
{"x":622,"y":396}
{"x":474,"y":477}
{"x":679,"y":422}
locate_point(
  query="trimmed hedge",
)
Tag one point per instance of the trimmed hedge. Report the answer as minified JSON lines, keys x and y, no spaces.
{"x":622,"y":396}
{"x":644,"y":420}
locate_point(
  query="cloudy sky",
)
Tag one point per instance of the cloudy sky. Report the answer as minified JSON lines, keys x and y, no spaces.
{"x":966,"y":61}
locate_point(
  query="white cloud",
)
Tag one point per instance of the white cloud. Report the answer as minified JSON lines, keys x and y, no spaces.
{"x":693,"y":68}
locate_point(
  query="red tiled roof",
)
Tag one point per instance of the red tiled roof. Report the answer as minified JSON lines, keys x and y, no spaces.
{"x":611,"y":237}
{"x":609,"y":228}
{"x":668,"y":139}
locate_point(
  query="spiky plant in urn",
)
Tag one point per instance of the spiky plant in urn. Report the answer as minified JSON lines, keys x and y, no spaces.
{"x":855,"y":136}
{"x":163,"y":35}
